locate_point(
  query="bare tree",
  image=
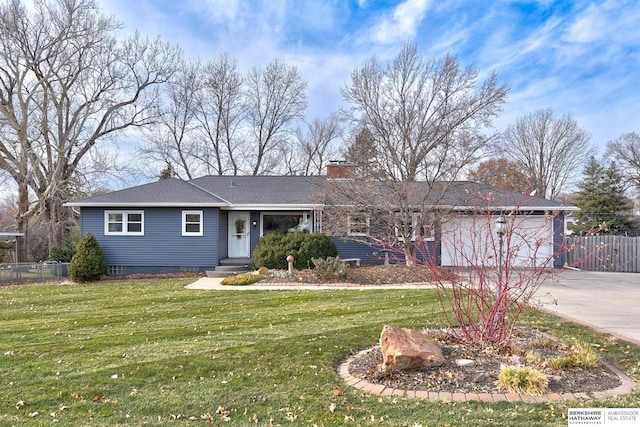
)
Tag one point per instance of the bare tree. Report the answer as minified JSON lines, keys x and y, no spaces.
{"x":66,"y":84}
{"x":427,"y":120}
{"x":276,"y":98}
{"x":625,"y":151}
{"x":220,"y":112}
{"x":549,"y":149}
{"x":313,"y":147}
{"x":172,"y":139}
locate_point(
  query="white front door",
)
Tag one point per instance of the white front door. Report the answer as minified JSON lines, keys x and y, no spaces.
{"x":239,"y":234}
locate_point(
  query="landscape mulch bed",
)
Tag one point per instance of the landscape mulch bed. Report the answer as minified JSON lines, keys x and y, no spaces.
{"x":365,"y":275}
{"x":482,"y":376}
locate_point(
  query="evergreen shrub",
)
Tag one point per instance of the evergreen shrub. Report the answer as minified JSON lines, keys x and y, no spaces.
{"x":63,"y":253}
{"x":89,"y":262}
{"x":272,"y":249}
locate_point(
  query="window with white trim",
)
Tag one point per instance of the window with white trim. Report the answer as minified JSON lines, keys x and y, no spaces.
{"x":416,"y":228}
{"x":124,"y":223}
{"x":192,"y":223}
{"x":358,"y":224}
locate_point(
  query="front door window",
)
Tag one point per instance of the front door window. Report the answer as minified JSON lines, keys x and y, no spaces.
{"x":238,"y":234}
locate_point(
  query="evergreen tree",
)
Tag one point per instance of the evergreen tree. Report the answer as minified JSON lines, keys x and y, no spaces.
{"x":88,"y":263}
{"x":604,"y":209}
{"x":167,"y":172}
{"x":363,"y":153}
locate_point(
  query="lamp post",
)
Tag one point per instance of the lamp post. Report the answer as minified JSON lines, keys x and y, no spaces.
{"x":500,"y":222}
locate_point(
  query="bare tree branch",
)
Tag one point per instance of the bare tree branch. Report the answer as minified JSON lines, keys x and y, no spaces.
{"x":425,"y":120}
{"x":550,"y":149}
{"x":625,"y":151}
{"x":276,"y":98}
{"x":66,"y":84}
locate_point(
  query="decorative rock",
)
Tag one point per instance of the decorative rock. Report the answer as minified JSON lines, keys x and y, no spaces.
{"x":482,"y":377}
{"x":518,"y":360}
{"x":464,"y":362}
{"x":408,"y":349}
{"x":262,"y":271}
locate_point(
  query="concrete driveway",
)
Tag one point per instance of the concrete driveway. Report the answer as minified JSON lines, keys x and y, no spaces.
{"x":608,"y":302}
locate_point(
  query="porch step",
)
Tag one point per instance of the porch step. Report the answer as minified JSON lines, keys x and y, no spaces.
{"x":223,"y":274}
{"x":236,"y":261}
{"x":230,"y":267}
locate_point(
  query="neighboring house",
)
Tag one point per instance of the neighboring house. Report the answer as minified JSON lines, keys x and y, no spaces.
{"x":173,"y":225}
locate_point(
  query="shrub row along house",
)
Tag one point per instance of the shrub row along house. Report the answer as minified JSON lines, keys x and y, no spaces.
{"x":174,"y":225}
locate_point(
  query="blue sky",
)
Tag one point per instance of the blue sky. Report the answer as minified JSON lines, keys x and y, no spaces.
{"x":578,"y":57}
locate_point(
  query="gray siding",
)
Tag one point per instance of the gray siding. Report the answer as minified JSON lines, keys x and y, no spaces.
{"x":255,"y":231}
{"x":162,"y":248}
{"x":223,"y":235}
{"x":352,"y":249}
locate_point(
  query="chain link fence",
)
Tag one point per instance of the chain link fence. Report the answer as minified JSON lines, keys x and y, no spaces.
{"x":29,"y":272}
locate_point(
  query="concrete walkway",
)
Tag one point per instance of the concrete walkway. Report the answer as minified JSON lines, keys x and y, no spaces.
{"x":608,"y":302}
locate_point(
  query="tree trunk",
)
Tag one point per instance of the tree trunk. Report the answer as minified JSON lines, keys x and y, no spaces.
{"x":22,"y":222}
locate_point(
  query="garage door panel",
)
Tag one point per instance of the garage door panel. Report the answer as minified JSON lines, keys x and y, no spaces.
{"x":468,"y":240}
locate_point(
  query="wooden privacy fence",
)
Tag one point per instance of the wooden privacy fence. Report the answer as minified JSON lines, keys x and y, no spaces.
{"x":604,"y":253}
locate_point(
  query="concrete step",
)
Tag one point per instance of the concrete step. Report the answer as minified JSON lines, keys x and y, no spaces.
{"x":230,"y":267}
{"x":243,"y":268}
{"x":220,"y":274}
{"x":227,"y":270}
{"x":236,"y":261}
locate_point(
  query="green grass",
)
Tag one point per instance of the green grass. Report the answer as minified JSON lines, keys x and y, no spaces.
{"x":154,"y":353}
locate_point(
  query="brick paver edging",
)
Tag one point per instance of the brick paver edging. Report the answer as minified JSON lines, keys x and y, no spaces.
{"x":627,"y":385}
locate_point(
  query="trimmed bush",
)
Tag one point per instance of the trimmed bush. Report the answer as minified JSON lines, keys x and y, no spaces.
{"x":242,"y":279}
{"x":63,"y":253}
{"x":580,"y":357}
{"x":88,"y":263}
{"x":330,"y":268}
{"x":516,"y":379}
{"x":272,"y":250}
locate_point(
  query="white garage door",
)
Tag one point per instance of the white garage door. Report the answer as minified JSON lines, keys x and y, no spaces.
{"x":471,"y":240}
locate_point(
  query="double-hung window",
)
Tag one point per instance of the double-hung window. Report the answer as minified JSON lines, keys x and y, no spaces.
{"x":124,"y":223}
{"x":358,"y":224}
{"x":192,"y":223}
{"x":417,"y":228}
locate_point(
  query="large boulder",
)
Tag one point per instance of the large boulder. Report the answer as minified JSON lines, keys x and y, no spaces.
{"x":408,"y":349}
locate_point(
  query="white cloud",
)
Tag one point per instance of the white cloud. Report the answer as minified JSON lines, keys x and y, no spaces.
{"x":606,"y":22}
{"x":222,"y":9}
{"x":404,"y":22}
{"x":590,"y":26}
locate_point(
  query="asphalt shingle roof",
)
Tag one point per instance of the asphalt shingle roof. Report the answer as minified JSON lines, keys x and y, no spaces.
{"x":166,"y":192}
{"x":300,"y":191}
{"x":262,"y":190}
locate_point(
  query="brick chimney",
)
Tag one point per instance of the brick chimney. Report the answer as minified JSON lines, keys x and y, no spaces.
{"x":341,"y":169}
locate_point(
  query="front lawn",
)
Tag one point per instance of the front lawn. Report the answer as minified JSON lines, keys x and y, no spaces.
{"x":153,"y":353}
